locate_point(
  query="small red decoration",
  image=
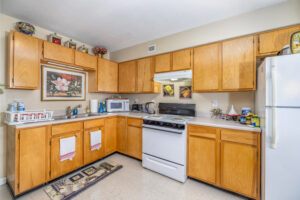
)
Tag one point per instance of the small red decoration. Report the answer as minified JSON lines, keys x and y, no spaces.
{"x":99,"y":50}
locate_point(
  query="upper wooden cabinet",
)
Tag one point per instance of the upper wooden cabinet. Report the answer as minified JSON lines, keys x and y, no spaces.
{"x":207,"y":67}
{"x":85,"y":60}
{"x":163,"y":63}
{"x":24,"y":62}
{"x":239,"y":64}
{"x":273,"y":41}
{"x":105,"y":78}
{"x":182,"y":60}
{"x":59,"y":53}
{"x":145,"y":73}
{"x":127,"y":77}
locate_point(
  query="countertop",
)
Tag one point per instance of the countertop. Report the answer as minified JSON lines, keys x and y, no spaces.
{"x":204,"y":121}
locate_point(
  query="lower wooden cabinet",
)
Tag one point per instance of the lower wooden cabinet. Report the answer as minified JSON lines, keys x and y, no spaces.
{"x":110,"y":135}
{"x":134,"y":137}
{"x":121,"y":134}
{"x":27,"y":157}
{"x":226,"y":158}
{"x":91,"y":126}
{"x":58,"y":167}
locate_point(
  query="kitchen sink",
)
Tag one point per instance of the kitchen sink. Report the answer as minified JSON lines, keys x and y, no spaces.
{"x":62,"y":117}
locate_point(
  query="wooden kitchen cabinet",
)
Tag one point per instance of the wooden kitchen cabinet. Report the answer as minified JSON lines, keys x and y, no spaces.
{"x":91,"y":126}
{"x":55,"y":52}
{"x":134,"y":137}
{"x":105,"y":78}
{"x":110,"y":135}
{"x":145,"y":74}
{"x":271,"y":42}
{"x":207,"y":68}
{"x":182,"y":60}
{"x":203,"y":153}
{"x":86,"y":60}
{"x":240,"y":162}
{"x":61,"y":131}
{"x":127,"y":77}
{"x":163,"y":63}
{"x":24,"y":172}
{"x":239,"y":64}
{"x":226,"y":158}
{"x":121,"y":134}
{"x":24,"y":62}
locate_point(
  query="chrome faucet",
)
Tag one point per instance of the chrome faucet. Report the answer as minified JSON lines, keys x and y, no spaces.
{"x":69,"y":110}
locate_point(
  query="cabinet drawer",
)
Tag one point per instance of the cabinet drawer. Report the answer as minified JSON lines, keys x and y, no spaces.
{"x":93,"y":123}
{"x":66,"y":128}
{"x":244,"y":137}
{"x":202,"y":131}
{"x":135,"y":122}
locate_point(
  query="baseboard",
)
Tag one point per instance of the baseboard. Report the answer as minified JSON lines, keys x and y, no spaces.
{"x":2,"y":181}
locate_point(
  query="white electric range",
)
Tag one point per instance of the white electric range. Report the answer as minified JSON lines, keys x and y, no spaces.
{"x":165,"y":140}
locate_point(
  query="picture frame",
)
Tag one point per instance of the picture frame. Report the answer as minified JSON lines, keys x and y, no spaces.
{"x":295,"y":42}
{"x":185,"y":92}
{"x":168,"y":90}
{"x":62,"y":85}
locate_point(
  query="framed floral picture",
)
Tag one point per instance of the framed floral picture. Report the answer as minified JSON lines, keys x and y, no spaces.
{"x":168,"y":90}
{"x":63,"y":85}
{"x":185,"y":92}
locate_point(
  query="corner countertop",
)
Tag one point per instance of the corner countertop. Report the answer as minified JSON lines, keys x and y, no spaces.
{"x":204,"y":121}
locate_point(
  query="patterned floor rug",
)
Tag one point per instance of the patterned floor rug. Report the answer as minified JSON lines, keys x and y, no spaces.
{"x":69,"y":186}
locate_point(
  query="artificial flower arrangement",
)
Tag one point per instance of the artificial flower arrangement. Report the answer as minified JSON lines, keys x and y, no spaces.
{"x":99,"y":50}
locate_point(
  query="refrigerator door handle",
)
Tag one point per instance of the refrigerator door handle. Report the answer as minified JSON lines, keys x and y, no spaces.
{"x":273,"y":99}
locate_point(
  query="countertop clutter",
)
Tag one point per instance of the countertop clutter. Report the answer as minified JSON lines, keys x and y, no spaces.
{"x":205,"y":121}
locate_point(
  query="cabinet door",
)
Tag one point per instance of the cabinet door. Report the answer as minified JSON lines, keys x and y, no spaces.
{"x":59,"y":168}
{"x":202,"y":159}
{"x":127,"y":77}
{"x":90,"y":156}
{"x":24,"y":58}
{"x":239,"y":65}
{"x":182,"y":59}
{"x":273,"y":41}
{"x":145,"y":73}
{"x":33,"y":157}
{"x":134,"y":141}
{"x":107,"y":76}
{"x":85,"y":60}
{"x":121,"y":134}
{"x":207,"y":67}
{"x":110,"y":135}
{"x":239,"y":168}
{"x":163,"y":63}
{"x":58,"y":53}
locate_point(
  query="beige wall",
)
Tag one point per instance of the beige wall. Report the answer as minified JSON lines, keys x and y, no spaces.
{"x":280,"y":15}
{"x":31,"y":98}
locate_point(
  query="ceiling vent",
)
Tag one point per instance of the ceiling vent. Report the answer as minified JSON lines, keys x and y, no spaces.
{"x":152,"y":48}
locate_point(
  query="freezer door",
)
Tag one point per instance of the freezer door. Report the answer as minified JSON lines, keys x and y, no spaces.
{"x":283,"y":81}
{"x":281,"y":165}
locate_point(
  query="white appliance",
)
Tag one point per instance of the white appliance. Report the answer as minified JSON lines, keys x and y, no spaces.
{"x":277,"y":101}
{"x":174,"y":76}
{"x":117,"y":105}
{"x":165,"y":144}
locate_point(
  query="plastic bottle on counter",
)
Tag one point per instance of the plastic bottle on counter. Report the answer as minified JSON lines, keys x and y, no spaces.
{"x":101,"y":107}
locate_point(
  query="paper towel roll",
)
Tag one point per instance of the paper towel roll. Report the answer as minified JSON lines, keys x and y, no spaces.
{"x":94,"y":105}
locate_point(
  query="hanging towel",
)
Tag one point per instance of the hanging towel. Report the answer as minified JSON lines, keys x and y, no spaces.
{"x":95,"y":140}
{"x":67,"y":148}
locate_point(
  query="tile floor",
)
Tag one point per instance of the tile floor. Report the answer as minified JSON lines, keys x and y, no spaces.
{"x":133,"y":182}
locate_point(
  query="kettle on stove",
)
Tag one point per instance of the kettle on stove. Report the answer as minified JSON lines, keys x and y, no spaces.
{"x":150,"y":108}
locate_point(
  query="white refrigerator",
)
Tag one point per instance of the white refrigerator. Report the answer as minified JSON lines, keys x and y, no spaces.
{"x":277,"y":101}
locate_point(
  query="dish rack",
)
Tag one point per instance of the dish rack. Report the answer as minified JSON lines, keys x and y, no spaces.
{"x":20,"y":117}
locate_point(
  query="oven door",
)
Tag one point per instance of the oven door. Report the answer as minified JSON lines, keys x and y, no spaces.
{"x":115,"y":106}
{"x":165,"y":144}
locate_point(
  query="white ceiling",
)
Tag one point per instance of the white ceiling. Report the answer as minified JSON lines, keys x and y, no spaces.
{"x":118,"y":24}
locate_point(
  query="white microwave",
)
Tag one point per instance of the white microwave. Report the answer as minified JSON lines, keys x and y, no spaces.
{"x":117,"y":105}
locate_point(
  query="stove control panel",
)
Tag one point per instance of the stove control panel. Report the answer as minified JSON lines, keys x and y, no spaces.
{"x":164,"y":124}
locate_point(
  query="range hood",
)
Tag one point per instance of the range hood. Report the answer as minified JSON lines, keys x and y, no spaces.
{"x":173,"y":76}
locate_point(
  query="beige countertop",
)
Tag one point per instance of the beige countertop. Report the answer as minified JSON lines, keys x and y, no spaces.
{"x":204,"y":121}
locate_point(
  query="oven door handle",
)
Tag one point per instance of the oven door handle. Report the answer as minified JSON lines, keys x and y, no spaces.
{"x":158,"y":129}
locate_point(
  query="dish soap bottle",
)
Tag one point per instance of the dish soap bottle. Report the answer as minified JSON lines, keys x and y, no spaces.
{"x":101,"y":107}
